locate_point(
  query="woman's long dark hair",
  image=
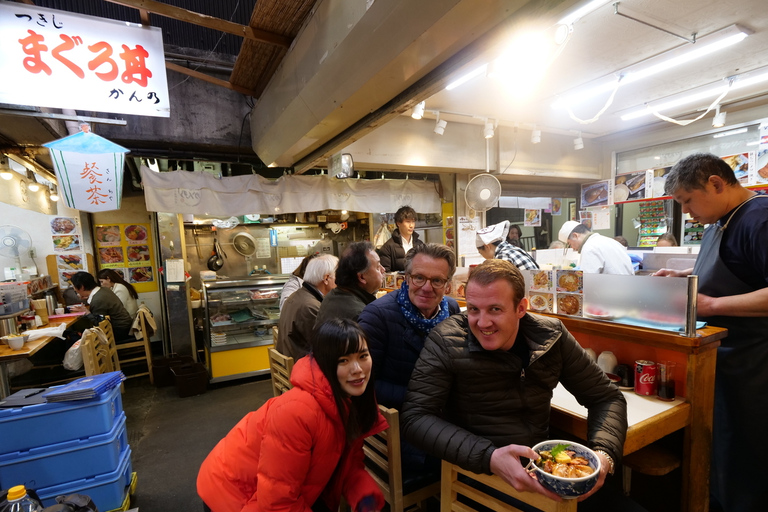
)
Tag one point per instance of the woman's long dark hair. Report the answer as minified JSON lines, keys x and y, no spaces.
{"x":334,"y":339}
{"x":117,"y":277}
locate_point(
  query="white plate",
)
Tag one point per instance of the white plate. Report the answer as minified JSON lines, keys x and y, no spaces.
{"x":541,"y":298}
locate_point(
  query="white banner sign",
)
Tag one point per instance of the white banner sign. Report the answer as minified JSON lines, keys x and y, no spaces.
{"x":58,"y":59}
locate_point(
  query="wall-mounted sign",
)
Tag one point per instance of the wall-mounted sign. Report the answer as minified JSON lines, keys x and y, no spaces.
{"x":90,"y":171}
{"x":64,"y":60}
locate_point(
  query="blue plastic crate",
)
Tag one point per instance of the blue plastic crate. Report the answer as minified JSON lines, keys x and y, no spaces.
{"x":28,"y":427}
{"x":107,"y":490}
{"x":55,"y":464}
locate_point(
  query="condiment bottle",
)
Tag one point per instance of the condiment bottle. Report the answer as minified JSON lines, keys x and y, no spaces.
{"x":20,"y":501}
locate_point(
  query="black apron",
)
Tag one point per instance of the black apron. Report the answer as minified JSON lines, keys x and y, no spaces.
{"x":741,"y":386}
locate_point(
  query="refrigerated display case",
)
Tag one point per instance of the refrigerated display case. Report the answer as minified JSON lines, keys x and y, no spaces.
{"x":238,"y":317}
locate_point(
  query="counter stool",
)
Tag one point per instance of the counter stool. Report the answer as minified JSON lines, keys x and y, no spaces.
{"x":653,"y":460}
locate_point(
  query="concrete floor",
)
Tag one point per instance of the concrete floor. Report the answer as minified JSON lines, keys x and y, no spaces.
{"x":171,"y":436}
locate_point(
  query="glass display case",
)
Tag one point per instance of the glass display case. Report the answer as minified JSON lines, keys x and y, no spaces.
{"x":238,"y":317}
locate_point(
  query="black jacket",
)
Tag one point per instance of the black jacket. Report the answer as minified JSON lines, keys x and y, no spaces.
{"x":392,"y":253}
{"x":463,"y":402}
{"x":343,"y":303}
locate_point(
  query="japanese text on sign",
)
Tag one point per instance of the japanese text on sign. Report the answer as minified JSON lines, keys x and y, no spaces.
{"x":66,"y":60}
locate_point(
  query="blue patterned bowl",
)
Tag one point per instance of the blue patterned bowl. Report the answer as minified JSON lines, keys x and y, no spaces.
{"x":568,"y":487}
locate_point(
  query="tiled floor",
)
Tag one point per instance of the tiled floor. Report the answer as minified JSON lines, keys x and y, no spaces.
{"x":170,"y":437}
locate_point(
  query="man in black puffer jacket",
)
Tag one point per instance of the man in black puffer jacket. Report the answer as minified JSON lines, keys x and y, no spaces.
{"x":480,"y":393}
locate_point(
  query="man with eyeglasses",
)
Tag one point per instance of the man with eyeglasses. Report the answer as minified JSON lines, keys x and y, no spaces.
{"x":358,"y":277}
{"x":397,"y":324}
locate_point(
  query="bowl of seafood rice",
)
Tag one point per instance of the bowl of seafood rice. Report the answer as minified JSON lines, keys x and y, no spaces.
{"x":566,"y":468}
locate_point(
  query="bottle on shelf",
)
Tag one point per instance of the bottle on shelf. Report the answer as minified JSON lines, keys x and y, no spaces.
{"x":20,"y":501}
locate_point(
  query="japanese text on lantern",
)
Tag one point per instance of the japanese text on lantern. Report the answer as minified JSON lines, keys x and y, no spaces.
{"x":97,"y":192}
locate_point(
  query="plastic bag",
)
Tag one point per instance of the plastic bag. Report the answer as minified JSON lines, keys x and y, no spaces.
{"x":73,"y":359}
{"x":382,"y":235}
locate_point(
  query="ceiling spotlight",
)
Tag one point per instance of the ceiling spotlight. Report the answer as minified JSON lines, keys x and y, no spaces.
{"x":719,"y":119}
{"x":54,"y":193}
{"x":440,"y":125}
{"x":33,"y":186}
{"x":578,"y":142}
{"x":488,"y":131}
{"x":418,"y":110}
{"x":535,"y":135}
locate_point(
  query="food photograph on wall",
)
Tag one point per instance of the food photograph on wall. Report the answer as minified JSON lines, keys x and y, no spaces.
{"x":126,"y":248}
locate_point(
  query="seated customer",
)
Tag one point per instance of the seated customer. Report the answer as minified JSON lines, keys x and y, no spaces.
{"x":480,"y":393}
{"x":302,"y":451}
{"x":397,"y":324}
{"x":296,"y":280}
{"x":666,"y":240}
{"x":297,"y":318}
{"x":124,"y":290}
{"x":358,"y":277}
{"x":102,"y":301}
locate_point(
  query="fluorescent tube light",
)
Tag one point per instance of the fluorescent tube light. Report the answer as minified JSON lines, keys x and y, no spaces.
{"x":707,"y":92}
{"x":730,"y":132}
{"x":582,"y":11}
{"x":466,"y":78}
{"x":673,"y":58}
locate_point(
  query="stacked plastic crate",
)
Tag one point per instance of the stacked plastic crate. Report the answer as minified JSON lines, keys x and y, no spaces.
{"x":68,"y":447}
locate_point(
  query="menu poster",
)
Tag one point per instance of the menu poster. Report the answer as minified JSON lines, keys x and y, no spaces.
{"x":659,"y":179}
{"x":596,"y":193}
{"x":631,"y":186}
{"x":556,"y":207}
{"x":449,"y":232}
{"x":467,"y":231}
{"x":126,"y":248}
{"x":532,"y":218}
{"x":761,"y":177}
{"x":601,"y":217}
{"x":65,"y":234}
{"x":741,"y":164}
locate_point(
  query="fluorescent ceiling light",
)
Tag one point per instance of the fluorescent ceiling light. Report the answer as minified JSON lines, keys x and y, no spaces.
{"x":582,"y":11}
{"x":707,"y":92}
{"x":466,"y":78}
{"x":671,"y":59}
{"x":730,"y":132}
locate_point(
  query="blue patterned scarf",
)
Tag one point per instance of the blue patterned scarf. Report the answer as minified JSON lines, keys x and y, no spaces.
{"x":413,"y":315}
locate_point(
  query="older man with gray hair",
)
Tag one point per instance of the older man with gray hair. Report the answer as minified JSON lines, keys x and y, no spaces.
{"x":297,"y":318}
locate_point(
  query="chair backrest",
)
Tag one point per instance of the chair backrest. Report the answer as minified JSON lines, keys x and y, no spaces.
{"x":97,"y":357}
{"x":106,"y":327}
{"x":451,"y":488}
{"x":383,"y":462}
{"x":280,"y":367}
{"x":528,"y":242}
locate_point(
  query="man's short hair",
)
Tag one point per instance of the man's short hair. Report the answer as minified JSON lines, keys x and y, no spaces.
{"x":436,"y":251}
{"x":83,"y":280}
{"x":353,"y":261}
{"x":492,"y":270}
{"x":693,"y":172}
{"x":581,"y":228}
{"x":404,"y":213}
{"x":621,"y":240}
{"x":319,"y":268}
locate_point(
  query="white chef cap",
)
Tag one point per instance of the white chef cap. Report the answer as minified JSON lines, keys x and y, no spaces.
{"x":491,"y":234}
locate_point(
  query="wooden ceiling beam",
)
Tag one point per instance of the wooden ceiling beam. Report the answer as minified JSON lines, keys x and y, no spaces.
{"x":204,"y":20}
{"x":209,"y":79}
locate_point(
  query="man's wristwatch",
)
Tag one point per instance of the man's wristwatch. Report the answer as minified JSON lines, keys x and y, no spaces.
{"x":610,"y":460}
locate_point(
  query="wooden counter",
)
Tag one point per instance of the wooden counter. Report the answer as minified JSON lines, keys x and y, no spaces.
{"x":695,"y":386}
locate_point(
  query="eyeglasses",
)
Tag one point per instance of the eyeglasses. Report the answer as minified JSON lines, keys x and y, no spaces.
{"x":437,"y":282}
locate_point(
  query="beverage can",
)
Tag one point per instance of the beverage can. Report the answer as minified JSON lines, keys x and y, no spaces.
{"x":645,"y":377}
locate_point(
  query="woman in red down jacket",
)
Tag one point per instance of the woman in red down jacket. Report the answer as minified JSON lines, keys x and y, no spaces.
{"x":302,"y":450}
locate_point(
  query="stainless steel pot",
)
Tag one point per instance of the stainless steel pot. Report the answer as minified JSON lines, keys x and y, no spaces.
{"x":8,"y":325}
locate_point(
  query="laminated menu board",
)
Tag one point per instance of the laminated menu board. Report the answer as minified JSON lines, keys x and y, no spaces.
{"x":127,"y":248}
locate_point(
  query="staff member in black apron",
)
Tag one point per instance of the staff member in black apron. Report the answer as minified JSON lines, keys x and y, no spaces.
{"x":733,"y":293}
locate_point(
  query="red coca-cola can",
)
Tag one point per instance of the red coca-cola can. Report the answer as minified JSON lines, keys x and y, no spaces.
{"x":645,"y":377}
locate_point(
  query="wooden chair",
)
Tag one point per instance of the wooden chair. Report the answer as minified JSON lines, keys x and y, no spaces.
{"x":280,"y":367}
{"x":98,"y":357}
{"x":451,"y":488}
{"x":654,"y":460}
{"x":383,"y":462}
{"x":128,"y":352}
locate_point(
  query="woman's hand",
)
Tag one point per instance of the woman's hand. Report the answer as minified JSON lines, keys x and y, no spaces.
{"x":78,"y":308}
{"x":505,"y":463}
